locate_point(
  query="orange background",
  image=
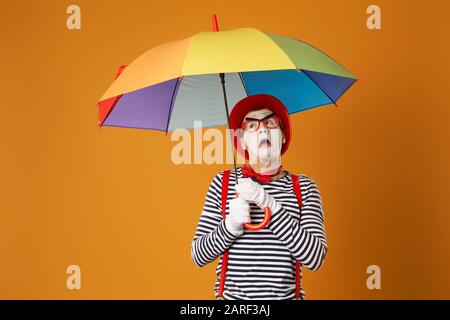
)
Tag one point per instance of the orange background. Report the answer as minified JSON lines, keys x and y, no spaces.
{"x":111,"y":201}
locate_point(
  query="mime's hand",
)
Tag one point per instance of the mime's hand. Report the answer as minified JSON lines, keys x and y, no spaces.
{"x":252,"y":191}
{"x":238,"y":216}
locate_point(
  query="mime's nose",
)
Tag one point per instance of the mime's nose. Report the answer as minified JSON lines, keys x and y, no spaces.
{"x":263,"y":129}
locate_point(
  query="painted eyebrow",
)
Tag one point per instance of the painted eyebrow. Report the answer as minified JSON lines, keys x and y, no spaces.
{"x":268,"y":116}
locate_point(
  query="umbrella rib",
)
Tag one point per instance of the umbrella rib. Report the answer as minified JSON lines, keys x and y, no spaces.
{"x":282,"y":50}
{"x":172,"y":102}
{"x":179,"y":81}
{"x":117,"y":98}
{"x":306,"y":73}
{"x":243,"y":83}
{"x":324,"y":53}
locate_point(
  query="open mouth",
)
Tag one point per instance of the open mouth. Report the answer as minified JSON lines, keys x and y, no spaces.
{"x":264,"y":143}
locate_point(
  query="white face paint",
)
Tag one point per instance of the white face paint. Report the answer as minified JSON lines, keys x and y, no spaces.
{"x":264,"y":145}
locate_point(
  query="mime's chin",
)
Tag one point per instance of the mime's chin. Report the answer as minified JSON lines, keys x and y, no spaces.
{"x":264,"y":156}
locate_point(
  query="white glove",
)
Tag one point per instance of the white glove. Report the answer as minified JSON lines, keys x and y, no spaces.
{"x":239,"y":214}
{"x":252,"y":191}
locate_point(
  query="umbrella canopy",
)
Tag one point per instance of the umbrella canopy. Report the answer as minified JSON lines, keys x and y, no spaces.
{"x":175,"y":84}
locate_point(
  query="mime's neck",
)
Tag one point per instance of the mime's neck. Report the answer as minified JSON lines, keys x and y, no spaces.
{"x":268,"y":169}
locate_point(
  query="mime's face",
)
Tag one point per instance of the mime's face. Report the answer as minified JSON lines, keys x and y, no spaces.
{"x":263,"y":143}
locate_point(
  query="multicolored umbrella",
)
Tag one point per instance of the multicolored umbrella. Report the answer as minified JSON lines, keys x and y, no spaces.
{"x":175,"y":84}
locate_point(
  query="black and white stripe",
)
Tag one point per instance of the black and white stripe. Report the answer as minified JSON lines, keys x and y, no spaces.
{"x":262,"y":263}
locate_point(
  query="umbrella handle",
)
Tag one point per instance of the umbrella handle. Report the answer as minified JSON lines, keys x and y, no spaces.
{"x":262,"y":224}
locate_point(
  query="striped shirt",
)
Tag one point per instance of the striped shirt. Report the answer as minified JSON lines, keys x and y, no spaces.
{"x":261,"y":263}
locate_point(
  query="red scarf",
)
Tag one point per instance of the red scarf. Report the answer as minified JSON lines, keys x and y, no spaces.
{"x":248,"y":171}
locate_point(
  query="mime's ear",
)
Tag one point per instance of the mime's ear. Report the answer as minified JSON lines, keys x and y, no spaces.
{"x":241,"y":139}
{"x":284,"y":138}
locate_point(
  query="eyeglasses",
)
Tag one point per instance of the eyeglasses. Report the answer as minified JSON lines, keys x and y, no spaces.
{"x":271,"y":122}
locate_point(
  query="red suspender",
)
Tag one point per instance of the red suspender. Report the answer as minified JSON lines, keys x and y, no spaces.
{"x":298,"y":193}
{"x":223,"y":271}
{"x":225,"y":183}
